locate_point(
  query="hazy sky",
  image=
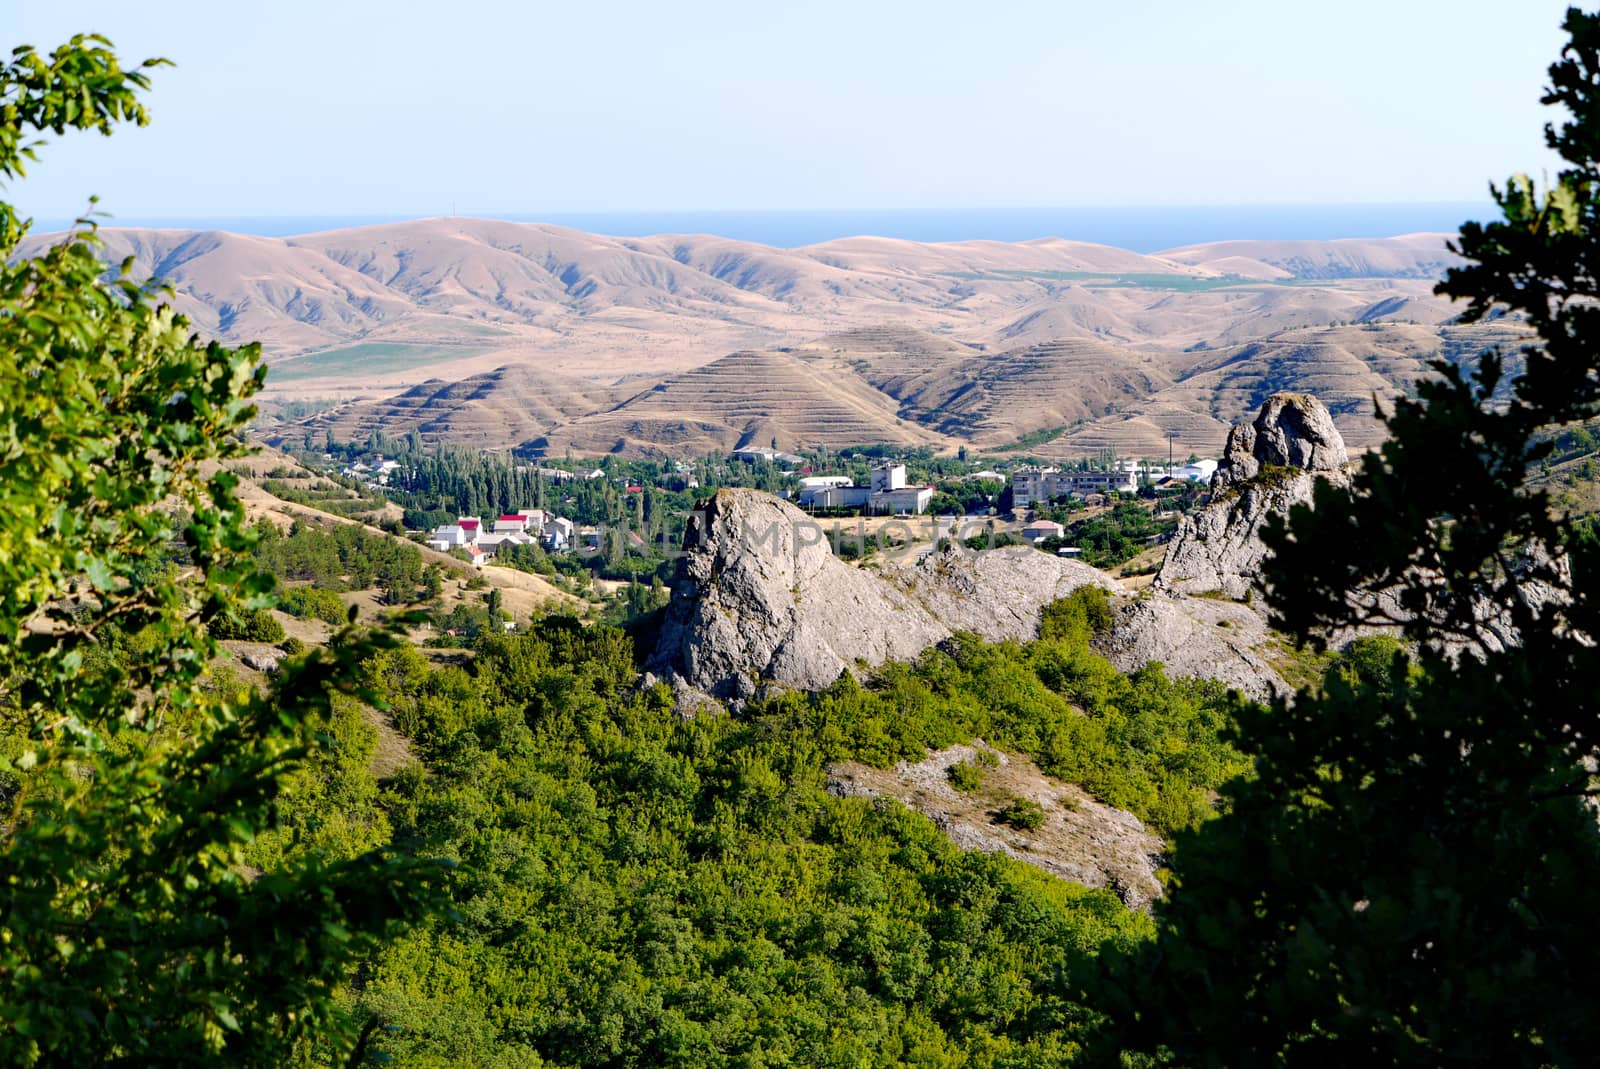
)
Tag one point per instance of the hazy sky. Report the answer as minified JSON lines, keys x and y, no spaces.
{"x":334,"y":107}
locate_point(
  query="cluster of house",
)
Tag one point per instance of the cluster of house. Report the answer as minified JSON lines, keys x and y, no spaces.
{"x":375,"y":474}
{"x":887,"y":494}
{"x":524,"y":527}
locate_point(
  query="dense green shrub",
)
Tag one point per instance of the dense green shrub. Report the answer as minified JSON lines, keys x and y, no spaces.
{"x":251,"y":625}
{"x":1023,"y":813}
{"x":309,"y":602}
{"x":965,"y":776}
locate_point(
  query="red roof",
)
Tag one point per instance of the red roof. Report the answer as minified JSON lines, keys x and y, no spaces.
{"x":465,"y":524}
{"x":512,"y":518}
{"x":635,"y":490}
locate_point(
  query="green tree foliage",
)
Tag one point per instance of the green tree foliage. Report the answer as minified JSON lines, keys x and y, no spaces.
{"x":341,"y":556}
{"x":134,"y":780}
{"x":253,"y":625}
{"x":1409,"y":879}
{"x":637,"y":888}
{"x":316,"y":603}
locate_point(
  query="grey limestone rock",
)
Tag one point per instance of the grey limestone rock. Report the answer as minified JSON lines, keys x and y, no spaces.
{"x":1203,"y":638}
{"x":1269,"y":466}
{"x":998,"y":594}
{"x":760,"y":598}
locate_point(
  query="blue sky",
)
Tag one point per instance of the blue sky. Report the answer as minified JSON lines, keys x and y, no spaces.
{"x":398,"y":107}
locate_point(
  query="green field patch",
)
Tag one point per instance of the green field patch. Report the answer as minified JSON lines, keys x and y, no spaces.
{"x":373,"y":358}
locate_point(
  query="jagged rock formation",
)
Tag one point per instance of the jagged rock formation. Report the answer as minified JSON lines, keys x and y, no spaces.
{"x":1080,"y":840}
{"x":1268,"y":466}
{"x":760,"y":597}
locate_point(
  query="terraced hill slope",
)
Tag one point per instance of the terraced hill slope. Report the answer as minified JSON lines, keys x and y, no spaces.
{"x":493,"y":334}
{"x":508,"y":404}
{"x":747,"y":398}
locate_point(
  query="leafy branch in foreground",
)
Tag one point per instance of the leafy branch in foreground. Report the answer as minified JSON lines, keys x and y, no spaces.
{"x":131,"y":783}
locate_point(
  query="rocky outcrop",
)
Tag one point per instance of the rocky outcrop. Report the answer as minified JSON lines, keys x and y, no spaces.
{"x":759,"y":597}
{"x":1079,"y":839}
{"x":1203,"y":638}
{"x":1292,"y":430}
{"x":997,"y":594}
{"x":1269,"y":466}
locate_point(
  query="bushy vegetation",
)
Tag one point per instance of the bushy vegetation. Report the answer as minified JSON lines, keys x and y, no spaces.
{"x":1110,"y":538}
{"x":315,"y":603}
{"x":251,"y":625}
{"x":636,"y":888}
{"x":135,"y":776}
{"x":341,"y":556}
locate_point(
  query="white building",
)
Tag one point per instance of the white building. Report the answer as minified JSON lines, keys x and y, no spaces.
{"x":451,"y":536}
{"x":558,"y":531}
{"x":909,"y":499}
{"x":818,"y":482}
{"x":838,"y":496}
{"x":888,"y":477}
{"x":1200,"y":471}
{"x":887,"y":494}
{"x":1029,"y":485}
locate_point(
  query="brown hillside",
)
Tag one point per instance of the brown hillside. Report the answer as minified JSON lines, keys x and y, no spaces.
{"x":491,"y":410}
{"x":746,"y":398}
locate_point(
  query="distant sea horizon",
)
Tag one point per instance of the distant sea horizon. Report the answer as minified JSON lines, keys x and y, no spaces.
{"x":1138,"y":229}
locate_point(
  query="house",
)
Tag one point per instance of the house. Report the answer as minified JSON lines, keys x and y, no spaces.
{"x":451,"y":536}
{"x":478,"y":555}
{"x":511,"y":523}
{"x":1039,"y":530}
{"x":495,"y":541}
{"x":558,"y":532}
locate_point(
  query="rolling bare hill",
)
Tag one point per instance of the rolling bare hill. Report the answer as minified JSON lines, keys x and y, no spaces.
{"x":496,"y":334}
{"x":388,"y":307}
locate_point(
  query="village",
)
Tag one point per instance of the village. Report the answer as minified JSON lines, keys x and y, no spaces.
{"x":1027,"y":509}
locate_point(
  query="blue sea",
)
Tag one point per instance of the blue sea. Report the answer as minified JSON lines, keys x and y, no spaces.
{"x":1141,"y":229}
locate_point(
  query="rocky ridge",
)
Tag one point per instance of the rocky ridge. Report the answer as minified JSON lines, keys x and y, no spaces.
{"x":761,"y":598}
